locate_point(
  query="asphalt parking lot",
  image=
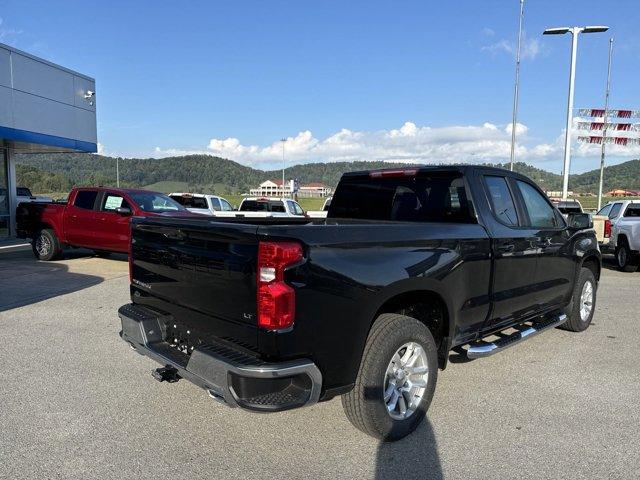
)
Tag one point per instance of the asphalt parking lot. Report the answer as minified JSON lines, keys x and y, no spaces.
{"x":77,"y":402}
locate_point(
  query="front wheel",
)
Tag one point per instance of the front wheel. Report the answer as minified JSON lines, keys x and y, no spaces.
{"x":396,"y":380}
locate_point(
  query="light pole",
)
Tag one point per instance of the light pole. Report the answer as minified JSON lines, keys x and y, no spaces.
{"x":604,"y":126}
{"x":283,"y":140}
{"x":118,"y":172}
{"x":515,"y":90}
{"x":575,"y":31}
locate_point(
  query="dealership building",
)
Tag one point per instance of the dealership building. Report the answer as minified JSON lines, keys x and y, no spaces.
{"x":43,"y":108}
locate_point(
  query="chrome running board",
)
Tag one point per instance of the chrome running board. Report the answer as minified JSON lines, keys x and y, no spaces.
{"x":484,"y":349}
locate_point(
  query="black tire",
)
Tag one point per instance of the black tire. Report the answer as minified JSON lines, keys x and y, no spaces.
{"x":624,"y":258}
{"x":365,"y":405}
{"x":102,"y":253}
{"x":575,"y":321}
{"x":46,"y":245}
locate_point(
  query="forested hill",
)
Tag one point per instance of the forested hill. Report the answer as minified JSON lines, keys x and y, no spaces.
{"x":59,"y":172}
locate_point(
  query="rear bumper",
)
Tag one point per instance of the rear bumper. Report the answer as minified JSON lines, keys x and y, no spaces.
{"x":230,"y":376}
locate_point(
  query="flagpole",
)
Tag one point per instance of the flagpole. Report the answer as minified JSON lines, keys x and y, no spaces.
{"x":604,"y":127}
{"x":516,"y":90}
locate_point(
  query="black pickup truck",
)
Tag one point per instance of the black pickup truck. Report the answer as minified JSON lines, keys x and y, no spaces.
{"x":410,"y":264}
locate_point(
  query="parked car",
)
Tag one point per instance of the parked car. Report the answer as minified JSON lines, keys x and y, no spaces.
{"x":605,"y":219}
{"x":567,"y":207}
{"x":23,"y":194}
{"x":625,"y":237}
{"x":96,"y":218}
{"x":201,"y":203}
{"x":257,"y":207}
{"x":410,"y":263}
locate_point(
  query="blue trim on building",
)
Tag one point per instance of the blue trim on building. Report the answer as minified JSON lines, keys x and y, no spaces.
{"x":43,"y":139}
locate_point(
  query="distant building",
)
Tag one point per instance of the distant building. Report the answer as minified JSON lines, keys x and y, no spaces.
{"x":622,"y":193}
{"x":273,"y":188}
{"x":557,"y":194}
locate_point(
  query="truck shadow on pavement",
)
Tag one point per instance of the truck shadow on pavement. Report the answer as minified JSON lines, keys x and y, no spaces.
{"x":415,"y":456}
{"x":24,"y":280}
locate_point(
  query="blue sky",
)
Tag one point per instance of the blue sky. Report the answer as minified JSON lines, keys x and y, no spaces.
{"x":400,"y":81}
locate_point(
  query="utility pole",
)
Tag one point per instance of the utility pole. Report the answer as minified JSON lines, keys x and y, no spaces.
{"x":516,"y":90}
{"x":283,"y":140}
{"x":604,"y":127}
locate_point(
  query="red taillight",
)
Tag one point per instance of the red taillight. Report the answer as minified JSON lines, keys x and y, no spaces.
{"x":607,"y":228}
{"x":276,"y":299}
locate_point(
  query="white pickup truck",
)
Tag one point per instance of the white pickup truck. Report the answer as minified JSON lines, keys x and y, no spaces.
{"x":269,"y":207}
{"x":625,"y":237}
{"x":201,"y":203}
{"x":605,"y":220}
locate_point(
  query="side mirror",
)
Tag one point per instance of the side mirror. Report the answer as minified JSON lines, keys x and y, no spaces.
{"x":123,"y":211}
{"x":579,"y":221}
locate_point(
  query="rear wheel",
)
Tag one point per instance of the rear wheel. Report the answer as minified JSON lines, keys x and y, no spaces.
{"x":396,"y":380}
{"x":583,"y":304}
{"x":46,"y":245}
{"x":624,"y":257}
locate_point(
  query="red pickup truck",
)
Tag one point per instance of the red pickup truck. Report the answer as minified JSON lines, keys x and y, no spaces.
{"x":93,"y":217}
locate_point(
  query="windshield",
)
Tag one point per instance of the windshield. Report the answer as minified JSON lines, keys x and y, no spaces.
{"x":155,"y":202}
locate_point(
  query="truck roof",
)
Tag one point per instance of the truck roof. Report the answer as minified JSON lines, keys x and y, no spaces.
{"x":113,"y":189}
{"x":415,"y":169}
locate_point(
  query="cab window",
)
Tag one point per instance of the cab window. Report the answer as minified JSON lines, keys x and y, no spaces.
{"x":502,"y":202}
{"x":541,"y":213}
{"x":615,"y":210}
{"x":605,"y":210}
{"x":85,"y":199}
{"x":112,"y":201}
{"x":215,"y":204}
{"x":226,"y":206}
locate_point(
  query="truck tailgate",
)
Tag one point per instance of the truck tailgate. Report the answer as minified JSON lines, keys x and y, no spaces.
{"x":200,"y":272}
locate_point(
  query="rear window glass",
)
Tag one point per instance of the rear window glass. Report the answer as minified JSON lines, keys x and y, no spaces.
{"x":632,"y":211}
{"x":262,"y":206}
{"x":23,"y":192}
{"x":432,"y":198}
{"x":501,"y":200}
{"x":190,"y":202}
{"x":85,"y":199}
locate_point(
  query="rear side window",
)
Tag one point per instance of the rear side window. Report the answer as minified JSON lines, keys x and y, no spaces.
{"x":541,"y":213}
{"x":85,"y":199}
{"x":226,"y":206}
{"x":632,"y":211}
{"x":615,"y":210}
{"x":439,"y":197}
{"x":605,"y":210}
{"x":277,"y":206}
{"x":215,"y":204}
{"x":501,"y":200}
{"x":23,"y":192}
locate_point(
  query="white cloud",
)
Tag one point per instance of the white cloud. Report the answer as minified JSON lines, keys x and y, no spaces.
{"x":409,"y":143}
{"x":488,"y":32}
{"x":7,"y":33}
{"x":531,"y":48}
{"x":101,"y":150}
{"x":520,"y":128}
